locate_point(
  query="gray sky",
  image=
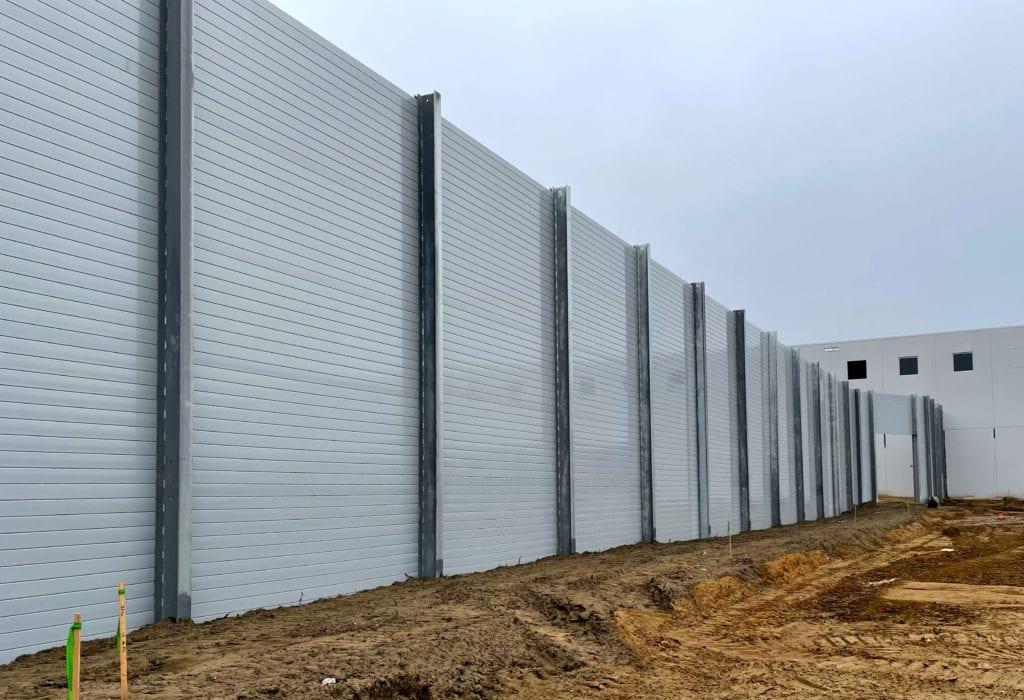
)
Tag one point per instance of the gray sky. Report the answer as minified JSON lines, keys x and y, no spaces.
{"x":840,"y":169}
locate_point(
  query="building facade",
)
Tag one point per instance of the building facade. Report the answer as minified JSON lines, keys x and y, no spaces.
{"x":977,"y":376}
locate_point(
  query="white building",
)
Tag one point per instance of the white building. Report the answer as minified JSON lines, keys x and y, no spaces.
{"x":977,"y":376}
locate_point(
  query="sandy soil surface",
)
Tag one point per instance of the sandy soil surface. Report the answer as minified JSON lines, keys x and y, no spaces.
{"x":894,"y":603}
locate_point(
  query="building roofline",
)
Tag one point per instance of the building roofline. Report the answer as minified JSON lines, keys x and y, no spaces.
{"x":909,"y":335}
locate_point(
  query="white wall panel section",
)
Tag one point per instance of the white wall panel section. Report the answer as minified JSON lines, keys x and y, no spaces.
{"x":787,"y":457}
{"x":840,"y":437}
{"x":971,"y":464}
{"x":807,"y":417}
{"x":864,"y":448}
{"x":673,"y":395}
{"x":921,"y":449}
{"x":606,"y":408}
{"x":306,"y":406}
{"x":499,"y":371}
{"x":723,"y":469}
{"x":1009,"y":448}
{"x":893,"y":414}
{"x":855,"y":475}
{"x":966,"y":396}
{"x":897,"y":477}
{"x":827,"y":454}
{"x":757,"y":428}
{"x":921,"y":347}
{"x":1007,"y":347}
{"x":79,"y":96}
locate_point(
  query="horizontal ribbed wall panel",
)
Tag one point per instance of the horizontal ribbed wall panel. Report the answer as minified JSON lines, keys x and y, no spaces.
{"x":78,"y":303}
{"x":757,"y":428}
{"x":786,"y":455}
{"x":808,"y":418}
{"x":499,"y":370}
{"x":306,"y":409}
{"x":723,"y":469}
{"x":606,"y":406}
{"x":840,"y":437}
{"x":893,"y":414}
{"x":827,"y":453}
{"x":673,"y":394}
{"x":867,"y":439}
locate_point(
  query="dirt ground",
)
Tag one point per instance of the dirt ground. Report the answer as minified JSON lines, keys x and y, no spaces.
{"x":894,"y":603}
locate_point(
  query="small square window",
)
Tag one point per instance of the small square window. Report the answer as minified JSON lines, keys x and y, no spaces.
{"x":963,"y":361}
{"x":908,"y":365}
{"x":857,"y":369}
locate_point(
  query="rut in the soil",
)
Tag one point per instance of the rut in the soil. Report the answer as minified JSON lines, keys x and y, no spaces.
{"x":834,"y":630}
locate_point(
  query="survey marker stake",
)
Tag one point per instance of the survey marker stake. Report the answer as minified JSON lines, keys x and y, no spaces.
{"x":72,"y":653}
{"x":122,"y":639}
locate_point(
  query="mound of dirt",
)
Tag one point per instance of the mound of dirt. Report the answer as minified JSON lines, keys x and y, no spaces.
{"x":719,"y":593}
{"x":905,"y":533}
{"x":790,"y":567}
{"x":1012,"y":504}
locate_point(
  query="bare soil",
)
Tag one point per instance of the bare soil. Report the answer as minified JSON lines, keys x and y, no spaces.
{"x":851,"y":607}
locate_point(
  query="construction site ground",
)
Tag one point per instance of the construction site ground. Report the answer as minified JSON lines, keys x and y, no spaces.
{"x":893,"y":602}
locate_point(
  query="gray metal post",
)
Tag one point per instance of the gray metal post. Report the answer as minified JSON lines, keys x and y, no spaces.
{"x":701,"y":387}
{"x":943,"y":488}
{"x":936,"y":451}
{"x":740,"y":364}
{"x":816,"y":431}
{"x":858,"y":429}
{"x":173,"y":544}
{"x":428,"y":109}
{"x":773,"y":428}
{"x":643,"y":301}
{"x":873,"y":466}
{"x":915,"y":420}
{"x":844,"y":396}
{"x":933,"y":489}
{"x":930,"y":447}
{"x":798,"y":433}
{"x":565,"y":504}
{"x":927,"y":421}
{"x":936,"y":486}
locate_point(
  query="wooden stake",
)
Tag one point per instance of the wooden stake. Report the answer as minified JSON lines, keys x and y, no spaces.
{"x":728,"y":531}
{"x":76,"y":654}
{"x":855,"y":513}
{"x":122,"y":632}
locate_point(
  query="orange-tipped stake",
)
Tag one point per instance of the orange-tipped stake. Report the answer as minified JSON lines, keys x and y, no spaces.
{"x":122,"y":639}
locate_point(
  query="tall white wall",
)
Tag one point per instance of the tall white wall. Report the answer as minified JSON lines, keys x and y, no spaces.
{"x":983,"y":408}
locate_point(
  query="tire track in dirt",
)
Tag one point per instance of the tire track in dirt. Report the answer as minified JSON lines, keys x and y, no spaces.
{"x":776,"y":639}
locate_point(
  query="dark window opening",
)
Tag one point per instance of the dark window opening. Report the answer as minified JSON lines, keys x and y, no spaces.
{"x":908,"y":365}
{"x":963,"y":361}
{"x":857,"y":369}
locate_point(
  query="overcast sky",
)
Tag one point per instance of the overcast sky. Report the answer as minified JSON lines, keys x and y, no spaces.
{"x":839,"y":169}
